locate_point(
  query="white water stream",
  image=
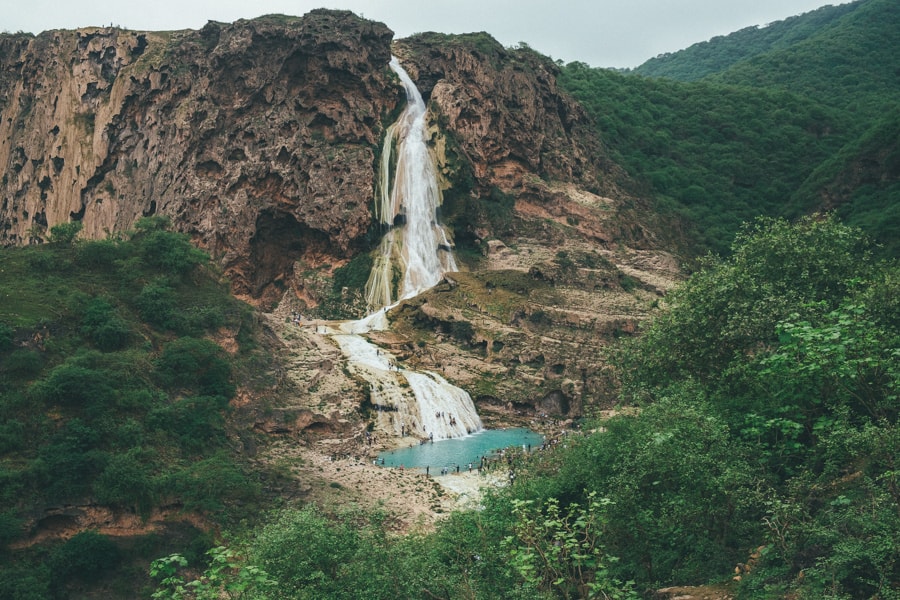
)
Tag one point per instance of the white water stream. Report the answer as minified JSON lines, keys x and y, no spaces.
{"x":416,"y":248}
{"x":420,"y":248}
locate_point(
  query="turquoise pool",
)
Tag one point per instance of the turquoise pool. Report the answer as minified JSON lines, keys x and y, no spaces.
{"x":460,"y":451}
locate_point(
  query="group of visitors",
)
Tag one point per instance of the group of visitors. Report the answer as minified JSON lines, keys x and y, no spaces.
{"x":440,"y":415}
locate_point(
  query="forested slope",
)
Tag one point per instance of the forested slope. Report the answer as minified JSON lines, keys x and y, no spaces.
{"x":713,"y":155}
{"x":722,"y":52}
{"x":851,"y":65}
{"x":113,"y":400}
{"x":805,"y":123}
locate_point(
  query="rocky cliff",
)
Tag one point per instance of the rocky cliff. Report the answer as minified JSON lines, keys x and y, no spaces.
{"x":505,"y":111}
{"x":261,"y":139}
{"x":257,"y":137}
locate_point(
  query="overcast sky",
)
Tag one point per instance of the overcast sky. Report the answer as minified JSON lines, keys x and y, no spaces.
{"x":602,"y":33}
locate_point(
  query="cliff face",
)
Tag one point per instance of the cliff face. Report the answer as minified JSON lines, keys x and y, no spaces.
{"x":500,"y":118}
{"x":258,"y":137}
{"x":505,"y":111}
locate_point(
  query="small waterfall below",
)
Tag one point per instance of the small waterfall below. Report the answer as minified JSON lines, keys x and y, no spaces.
{"x":415,"y":252}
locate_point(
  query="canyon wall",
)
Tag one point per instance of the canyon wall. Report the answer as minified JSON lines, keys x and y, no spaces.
{"x":260,"y":138}
{"x":257,"y":138}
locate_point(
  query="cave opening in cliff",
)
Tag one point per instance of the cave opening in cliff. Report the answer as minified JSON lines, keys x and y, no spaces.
{"x":280,"y":240}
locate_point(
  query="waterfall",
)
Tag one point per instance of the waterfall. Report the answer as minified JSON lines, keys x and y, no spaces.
{"x":409,"y":403}
{"x":415,"y":243}
{"x":416,"y":251}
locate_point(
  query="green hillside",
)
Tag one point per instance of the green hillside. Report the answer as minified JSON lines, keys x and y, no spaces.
{"x":774,"y":121}
{"x":861,"y":183}
{"x":722,"y":52}
{"x":713,"y":155}
{"x":112,"y":396}
{"x":852,"y":65}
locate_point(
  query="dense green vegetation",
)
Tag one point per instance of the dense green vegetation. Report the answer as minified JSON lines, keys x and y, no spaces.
{"x":111,"y":395}
{"x":775,"y":121}
{"x":867,"y":173}
{"x":723,"y":52}
{"x":713,"y":155}
{"x":851,"y":64}
{"x":764,"y":434}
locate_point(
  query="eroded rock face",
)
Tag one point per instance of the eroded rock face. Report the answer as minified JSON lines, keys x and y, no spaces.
{"x":258,"y":138}
{"x":506,"y":113}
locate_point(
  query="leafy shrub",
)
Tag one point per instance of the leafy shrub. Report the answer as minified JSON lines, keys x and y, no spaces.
{"x":682,"y":492}
{"x":195,"y":422}
{"x":462,"y":330}
{"x":628,"y":283}
{"x":302,"y":550}
{"x":12,"y":435}
{"x":540,"y":317}
{"x":103,"y":326}
{"x":6,"y":336}
{"x":156,"y":303}
{"x":75,"y":386}
{"x":86,"y":556}
{"x":99,"y":254}
{"x":790,"y":348}
{"x":10,"y":528}
{"x":195,"y":364}
{"x":203,"y":318}
{"x":23,"y":363}
{"x":127,"y":481}
{"x":211,"y":484}
{"x":732,"y":307}
{"x":170,"y":251}
{"x":65,"y":233}
{"x":25,"y":582}
{"x":354,"y":274}
{"x":12,"y":486}
{"x":69,"y":461}
{"x":558,"y":551}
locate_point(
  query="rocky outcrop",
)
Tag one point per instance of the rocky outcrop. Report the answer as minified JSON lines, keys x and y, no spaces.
{"x":503,"y":127}
{"x":505,"y":112}
{"x":258,"y":137}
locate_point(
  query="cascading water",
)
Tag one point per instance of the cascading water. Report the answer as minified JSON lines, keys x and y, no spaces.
{"x":417,"y":248}
{"x":418,"y":245}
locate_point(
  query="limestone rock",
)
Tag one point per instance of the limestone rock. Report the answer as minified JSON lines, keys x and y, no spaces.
{"x":257,"y":138}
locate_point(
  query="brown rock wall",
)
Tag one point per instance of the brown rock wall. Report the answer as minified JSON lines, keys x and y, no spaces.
{"x":506,"y":112}
{"x":259,"y":138}
{"x":237,"y":132}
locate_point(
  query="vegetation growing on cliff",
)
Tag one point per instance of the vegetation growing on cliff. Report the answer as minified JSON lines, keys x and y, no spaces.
{"x":112,"y":397}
